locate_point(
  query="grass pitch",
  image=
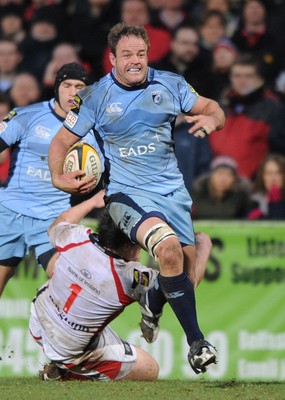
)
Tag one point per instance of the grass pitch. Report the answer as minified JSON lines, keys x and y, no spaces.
{"x":33,"y":389}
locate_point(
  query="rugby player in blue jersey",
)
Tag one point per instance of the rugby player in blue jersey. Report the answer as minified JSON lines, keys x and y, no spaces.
{"x":132,"y":111}
{"x":29,"y":202}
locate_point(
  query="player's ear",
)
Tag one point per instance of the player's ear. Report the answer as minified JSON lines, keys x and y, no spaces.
{"x":112,"y":59}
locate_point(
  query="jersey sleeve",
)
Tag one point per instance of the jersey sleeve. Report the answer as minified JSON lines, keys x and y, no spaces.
{"x":12,"y":128}
{"x":138,"y":274}
{"x":81,"y":119}
{"x":64,"y":235}
{"x":188,"y":96}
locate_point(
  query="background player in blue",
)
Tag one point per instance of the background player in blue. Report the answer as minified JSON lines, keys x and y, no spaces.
{"x":29,"y":202}
{"x":133,"y":110}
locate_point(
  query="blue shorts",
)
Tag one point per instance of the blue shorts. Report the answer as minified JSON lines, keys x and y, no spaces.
{"x":129,"y":210}
{"x":20,"y":234}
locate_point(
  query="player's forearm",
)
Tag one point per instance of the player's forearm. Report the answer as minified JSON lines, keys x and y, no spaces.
{"x":213,"y":110}
{"x":75,"y":214}
{"x":59,"y":146}
{"x":57,"y":151}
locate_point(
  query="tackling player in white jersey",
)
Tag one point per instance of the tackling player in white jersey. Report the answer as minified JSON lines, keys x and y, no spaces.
{"x":94,"y":279}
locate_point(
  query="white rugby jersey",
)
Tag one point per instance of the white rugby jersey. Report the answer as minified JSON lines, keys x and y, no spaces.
{"x":88,"y":289}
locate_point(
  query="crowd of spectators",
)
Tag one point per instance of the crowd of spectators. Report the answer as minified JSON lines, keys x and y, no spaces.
{"x":228,"y":50}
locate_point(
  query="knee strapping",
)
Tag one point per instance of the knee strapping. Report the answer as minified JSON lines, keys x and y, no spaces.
{"x":156,"y":235}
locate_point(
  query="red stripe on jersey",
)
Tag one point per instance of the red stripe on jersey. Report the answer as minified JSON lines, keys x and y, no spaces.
{"x":108,"y":368}
{"x":35,"y":337}
{"x":71,"y":246}
{"x":123,"y":297}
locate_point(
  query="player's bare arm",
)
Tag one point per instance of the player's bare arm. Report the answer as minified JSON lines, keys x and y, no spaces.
{"x":206,"y":117}
{"x":75,"y":214}
{"x":68,"y":182}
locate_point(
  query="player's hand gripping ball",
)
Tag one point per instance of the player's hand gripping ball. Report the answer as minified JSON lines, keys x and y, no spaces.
{"x":84,"y":157}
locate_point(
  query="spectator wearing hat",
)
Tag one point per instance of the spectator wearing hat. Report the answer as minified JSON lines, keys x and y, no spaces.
{"x":221,"y":194}
{"x":224,"y":54}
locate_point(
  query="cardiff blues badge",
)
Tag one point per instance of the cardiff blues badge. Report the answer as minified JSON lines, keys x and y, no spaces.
{"x":157,"y":97}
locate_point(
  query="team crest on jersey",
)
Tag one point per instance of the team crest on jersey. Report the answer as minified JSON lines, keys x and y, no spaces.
{"x":140,"y":278}
{"x":71,"y":119}
{"x":157,"y":97}
{"x":76,"y":103}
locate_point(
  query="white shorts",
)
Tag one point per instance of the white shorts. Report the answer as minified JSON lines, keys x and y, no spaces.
{"x":111,"y":359}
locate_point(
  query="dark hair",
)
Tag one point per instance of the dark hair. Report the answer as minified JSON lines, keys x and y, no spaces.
{"x":110,"y":236}
{"x":4,"y":98}
{"x":121,"y":30}
{"x":247,"y":59}
{"x":182,"y":26}
{"x":70,"y":71}
{"x":259,"y":181}
{"x":210,"y":14}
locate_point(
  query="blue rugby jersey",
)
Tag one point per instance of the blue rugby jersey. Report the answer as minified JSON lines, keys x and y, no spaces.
{"x":28,"y":131}
{"x":134,"y":129}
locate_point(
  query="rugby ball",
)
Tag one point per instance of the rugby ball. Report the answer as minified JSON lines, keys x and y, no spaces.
{"x":83,"y":156}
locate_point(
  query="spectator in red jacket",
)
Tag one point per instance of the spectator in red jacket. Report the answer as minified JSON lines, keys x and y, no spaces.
{"x":253,"y":118}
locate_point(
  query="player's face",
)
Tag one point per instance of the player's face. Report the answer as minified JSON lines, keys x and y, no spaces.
{"x":66,"y":93}
{"x":130,"y":61}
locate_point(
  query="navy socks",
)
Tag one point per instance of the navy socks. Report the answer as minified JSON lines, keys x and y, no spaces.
{"x":178,"y":291}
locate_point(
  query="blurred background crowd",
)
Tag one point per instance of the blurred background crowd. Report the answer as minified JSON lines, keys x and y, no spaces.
{"x":229,"y":50}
